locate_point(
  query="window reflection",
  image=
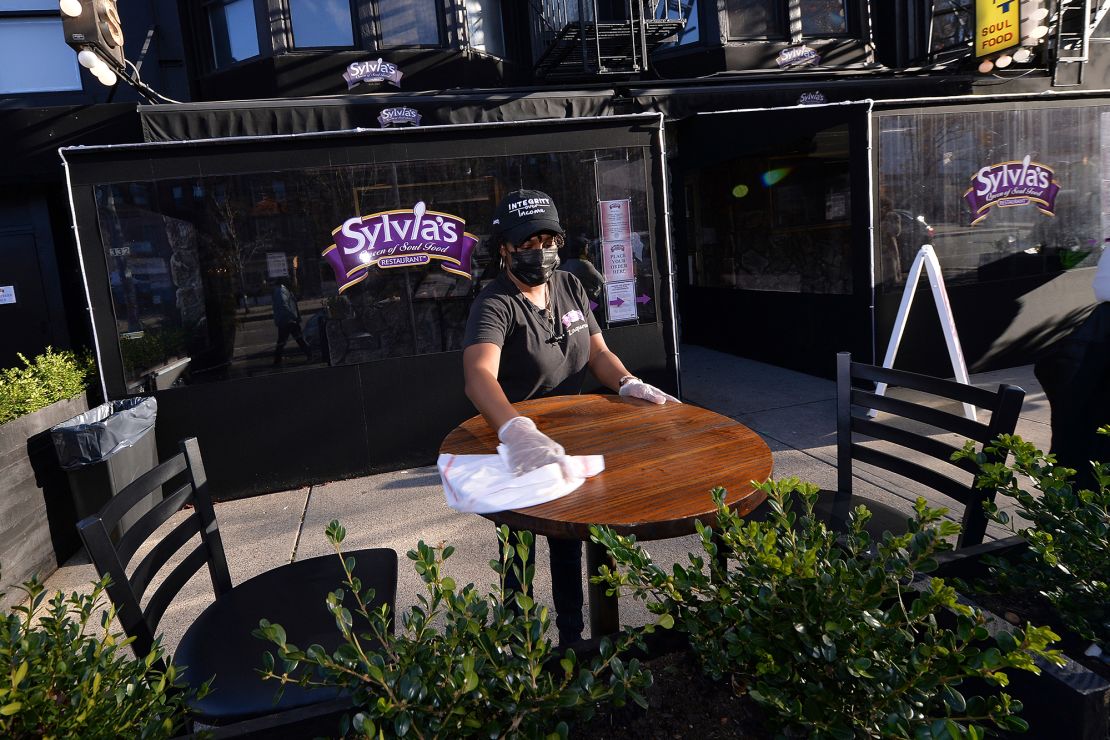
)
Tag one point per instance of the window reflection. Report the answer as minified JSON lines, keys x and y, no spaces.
{"x":755,"y":19}
{"x":928,"y":162}
{"x":411,"y":23}
{"x":483,"y":26}
{"x":824,"y":18}
{"x":776,"y":219}
{"x":34,"y":57}
{"x":234,"y":32}
{"x":221,"y":269}
{"x":319,"y":23}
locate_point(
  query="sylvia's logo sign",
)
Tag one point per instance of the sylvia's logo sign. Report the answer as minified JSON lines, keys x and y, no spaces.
{"x":402,"y":238}
{"x":374,"y":70}
{"x":1010,"y":184}
{"x":399,"y":117}
{"x":812,"y":98}
{"x":797,"y":56}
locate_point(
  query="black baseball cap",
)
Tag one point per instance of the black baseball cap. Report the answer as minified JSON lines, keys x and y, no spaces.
{"x":522,"y":213}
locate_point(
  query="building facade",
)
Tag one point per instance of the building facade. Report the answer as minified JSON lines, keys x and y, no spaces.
{"x":757,"y":176}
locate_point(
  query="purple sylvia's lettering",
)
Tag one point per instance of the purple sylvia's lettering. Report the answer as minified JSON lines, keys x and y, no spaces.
{"x":1010,"y":184}
{"x":400,"y":238}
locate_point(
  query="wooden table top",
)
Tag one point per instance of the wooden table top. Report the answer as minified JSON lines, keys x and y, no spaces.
{"x":661,"y":462}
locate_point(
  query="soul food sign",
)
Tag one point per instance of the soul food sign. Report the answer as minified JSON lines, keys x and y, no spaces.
{"x":997,"y":25}
{"x":1009,"y":184}
{"x":401,"y":238}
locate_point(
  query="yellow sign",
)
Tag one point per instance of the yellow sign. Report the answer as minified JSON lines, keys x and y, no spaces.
{"x":997,"y":26}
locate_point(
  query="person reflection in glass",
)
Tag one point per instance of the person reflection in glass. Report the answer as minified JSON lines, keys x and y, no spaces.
{"x":287,"y":318}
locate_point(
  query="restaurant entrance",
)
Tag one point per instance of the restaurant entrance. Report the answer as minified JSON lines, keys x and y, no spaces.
{"x":774,"y":249}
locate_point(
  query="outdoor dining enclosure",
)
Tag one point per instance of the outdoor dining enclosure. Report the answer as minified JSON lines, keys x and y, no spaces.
{"x":184,"y":243}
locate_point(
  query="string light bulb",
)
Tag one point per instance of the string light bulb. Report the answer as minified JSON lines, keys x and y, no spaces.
{"x":71,"y":8}
{"x":87,"y":59}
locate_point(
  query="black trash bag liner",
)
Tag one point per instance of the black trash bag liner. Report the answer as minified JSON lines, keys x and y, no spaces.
{"x":99,"y":433}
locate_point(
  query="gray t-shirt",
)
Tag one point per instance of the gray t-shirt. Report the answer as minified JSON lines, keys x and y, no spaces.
{"x":536,"y":361}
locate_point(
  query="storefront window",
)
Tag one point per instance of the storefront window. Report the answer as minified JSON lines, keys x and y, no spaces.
{"x":775,"y":219}
{"x":221,"y":269}
{"x":999,"y":194}
{"x":321,"y":23}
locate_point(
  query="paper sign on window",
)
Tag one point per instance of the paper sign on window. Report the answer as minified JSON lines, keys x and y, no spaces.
{"x":615,"y":217}
{"x":620,"y":300}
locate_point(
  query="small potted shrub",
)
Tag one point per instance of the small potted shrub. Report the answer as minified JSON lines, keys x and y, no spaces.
{"x":464,"y":663}
{"x":834,"y":636}
{"x":34,"y":397}
{"x":64,"y":677}
{"x":1056,"y":570}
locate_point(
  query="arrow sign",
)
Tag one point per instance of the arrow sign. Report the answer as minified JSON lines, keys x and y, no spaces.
{"x":643,"y":299}
{"x":618,"y":301}
{"x":593,"y":306}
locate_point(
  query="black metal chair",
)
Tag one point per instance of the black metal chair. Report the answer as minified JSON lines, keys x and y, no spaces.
{"x":909,"y":426}
{"x":219,"y":642}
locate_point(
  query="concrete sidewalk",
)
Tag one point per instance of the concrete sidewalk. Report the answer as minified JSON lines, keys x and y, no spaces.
{"x":793,"y":412}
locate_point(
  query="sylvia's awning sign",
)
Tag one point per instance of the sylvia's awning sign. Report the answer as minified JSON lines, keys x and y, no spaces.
{"x":1010,"y":184}
{"x":402,"y":116}
{"x":372,"y":70}
{"x":402,"y":238}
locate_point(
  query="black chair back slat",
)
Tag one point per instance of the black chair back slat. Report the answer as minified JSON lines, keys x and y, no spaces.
{"x":138,"y":532}
{"x":161,"y":553}
{"x":939,"y":482}
{"x":934,"y":448}
{"x":166,"y":592}
{"x":209,"y":532}
{"x":933,"y":417}
{"x":940,"y":387}
{"x":134,"y":492}
{"x":99,"y":546}
{"x":1004,"y":406}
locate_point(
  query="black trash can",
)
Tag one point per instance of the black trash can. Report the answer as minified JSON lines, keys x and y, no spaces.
{"x":104,"y":449}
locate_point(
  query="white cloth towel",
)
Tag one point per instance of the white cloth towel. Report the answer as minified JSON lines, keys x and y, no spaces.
{"x":480,"y":484}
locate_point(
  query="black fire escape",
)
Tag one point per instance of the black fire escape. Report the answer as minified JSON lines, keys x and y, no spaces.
{"x":579,"y":40}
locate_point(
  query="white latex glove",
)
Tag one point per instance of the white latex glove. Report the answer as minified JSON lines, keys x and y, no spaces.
{"x":637,"y":388}
{"x":528,"y":448}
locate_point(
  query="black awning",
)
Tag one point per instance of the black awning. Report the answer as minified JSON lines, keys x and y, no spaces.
{"x":675,"y":99}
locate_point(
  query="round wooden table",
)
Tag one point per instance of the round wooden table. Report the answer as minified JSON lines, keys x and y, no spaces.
{"x":660,"y":464}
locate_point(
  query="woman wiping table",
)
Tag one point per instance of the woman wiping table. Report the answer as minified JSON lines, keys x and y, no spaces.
{"x":531,"y":334}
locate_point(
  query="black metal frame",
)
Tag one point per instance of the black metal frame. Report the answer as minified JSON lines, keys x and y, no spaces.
{"x":1004,"y":406}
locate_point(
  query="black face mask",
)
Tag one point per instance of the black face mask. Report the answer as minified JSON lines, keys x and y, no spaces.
{"x":535,"y":266}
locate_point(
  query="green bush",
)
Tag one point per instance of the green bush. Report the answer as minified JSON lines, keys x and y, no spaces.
{"x":1068,"y":559}
{"x":50,"y":377}
{"x":60,"y":680}
{"x":464,"y":665}
{"x":833,"y":637}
